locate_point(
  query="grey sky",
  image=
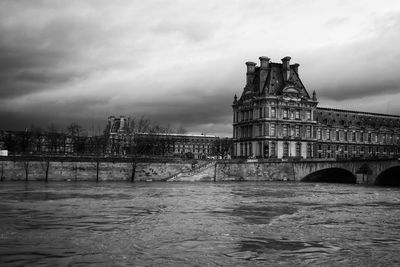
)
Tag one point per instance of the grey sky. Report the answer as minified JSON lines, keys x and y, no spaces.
{"x":181,"y":62}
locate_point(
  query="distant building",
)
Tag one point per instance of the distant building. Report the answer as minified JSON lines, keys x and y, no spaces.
{"x":275,"y":117}
{"x":188,"y":145}
{"x":122,"y":141}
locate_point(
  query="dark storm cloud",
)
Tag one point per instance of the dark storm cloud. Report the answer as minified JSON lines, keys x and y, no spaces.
{"x":44,"y":52}
{"x":198,"y":109}
{"x":181,"y":61}
{"x":364,"y":68}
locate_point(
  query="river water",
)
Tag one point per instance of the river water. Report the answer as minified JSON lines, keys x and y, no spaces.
{"x":198,"y":224}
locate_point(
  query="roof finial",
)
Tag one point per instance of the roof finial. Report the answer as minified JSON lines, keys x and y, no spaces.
{"x":314,"y":96}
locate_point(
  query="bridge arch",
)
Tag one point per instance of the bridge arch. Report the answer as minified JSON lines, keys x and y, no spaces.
{"x":390,"y":176}
{"x":331,"y":175}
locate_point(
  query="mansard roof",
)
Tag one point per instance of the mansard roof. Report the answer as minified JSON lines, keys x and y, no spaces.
{"x":274,"y":79}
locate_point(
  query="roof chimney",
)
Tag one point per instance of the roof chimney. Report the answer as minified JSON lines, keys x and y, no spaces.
{"x":121,"y":123}
{"x":111,"y":120}
{"x":251,"y":68}
{"x":264,"y":62}
{"x":264,"y":65}
{"x":286,"y":68}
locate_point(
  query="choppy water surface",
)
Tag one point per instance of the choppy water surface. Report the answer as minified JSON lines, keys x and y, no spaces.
{"x":175,"y":224}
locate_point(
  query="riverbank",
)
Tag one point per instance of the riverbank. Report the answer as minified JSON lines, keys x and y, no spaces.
{"x":34,"y":168}
{"x":135,"y":169}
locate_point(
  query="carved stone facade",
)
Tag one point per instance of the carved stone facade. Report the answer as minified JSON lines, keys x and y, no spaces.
{"x":275,"y":117}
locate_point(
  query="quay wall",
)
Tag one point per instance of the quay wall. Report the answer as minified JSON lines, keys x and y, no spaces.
{"x":243,"y":171}
{"x":81,"y":170}
{"x":162,"y":169}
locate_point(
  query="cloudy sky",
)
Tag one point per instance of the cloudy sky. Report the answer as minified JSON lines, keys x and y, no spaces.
{"x":182,"y":61}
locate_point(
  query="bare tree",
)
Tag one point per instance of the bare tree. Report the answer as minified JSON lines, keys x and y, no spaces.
{"x":38,"y":139}
{"x":74,"y":129}
{"x":45,"y":164}
{"x":143,"y":125}
{"x":181,"y":130}
{"x":26,"y":167}
{"x":53,"y":137}
{"x":2,"y":171}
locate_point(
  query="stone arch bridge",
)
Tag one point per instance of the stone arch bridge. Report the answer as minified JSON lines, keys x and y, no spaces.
{"x":371,"y":171}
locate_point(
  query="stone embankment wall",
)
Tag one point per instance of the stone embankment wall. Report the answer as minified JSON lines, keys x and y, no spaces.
{"x":11,"y":170}
{"x":162,"y":169}
{"x":272,"y":171}
{"x":150,"y":170}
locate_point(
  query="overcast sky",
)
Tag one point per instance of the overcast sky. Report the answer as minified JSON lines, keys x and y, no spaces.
{"x":182,"y":61}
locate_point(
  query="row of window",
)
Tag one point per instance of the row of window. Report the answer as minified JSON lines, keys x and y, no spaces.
{"x":286,"y":130}
{"x":328,"y":151}
{"x":266,"y":112}
{"x":270,"y":150}
{"x":356,"y":136}
{"x":270,"y":129}
{"x":321,"y":151}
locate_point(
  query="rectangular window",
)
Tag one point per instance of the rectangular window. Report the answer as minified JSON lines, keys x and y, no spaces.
{"x":319,"y":134}
{"x":266,"y":129}
{"x":308,"y":115}
{"x":298,"y":149}
{"x":345,"y":136}
{"x":309,"y":151}
{"x":272,"y":129}
{"x":297,"y":131}
{"x":285,"y":113}
{"x":285,"y":149}
{"x":328,"y":134}
{"x":273,"y":149}
{"x":353,"y":136}
{"x":260,"y":130}
{"x":308,"y":133}
{"x":369,"y":137}
{"x":260,"y":113}
{"x":273,"y":112}
{"x":297,"y":115}
{"x":362,"y":136}
{"x":285,"y":130}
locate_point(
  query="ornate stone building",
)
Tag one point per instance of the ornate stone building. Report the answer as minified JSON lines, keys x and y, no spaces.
{"x":122,"y":140}
{"x":275,"y":117}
